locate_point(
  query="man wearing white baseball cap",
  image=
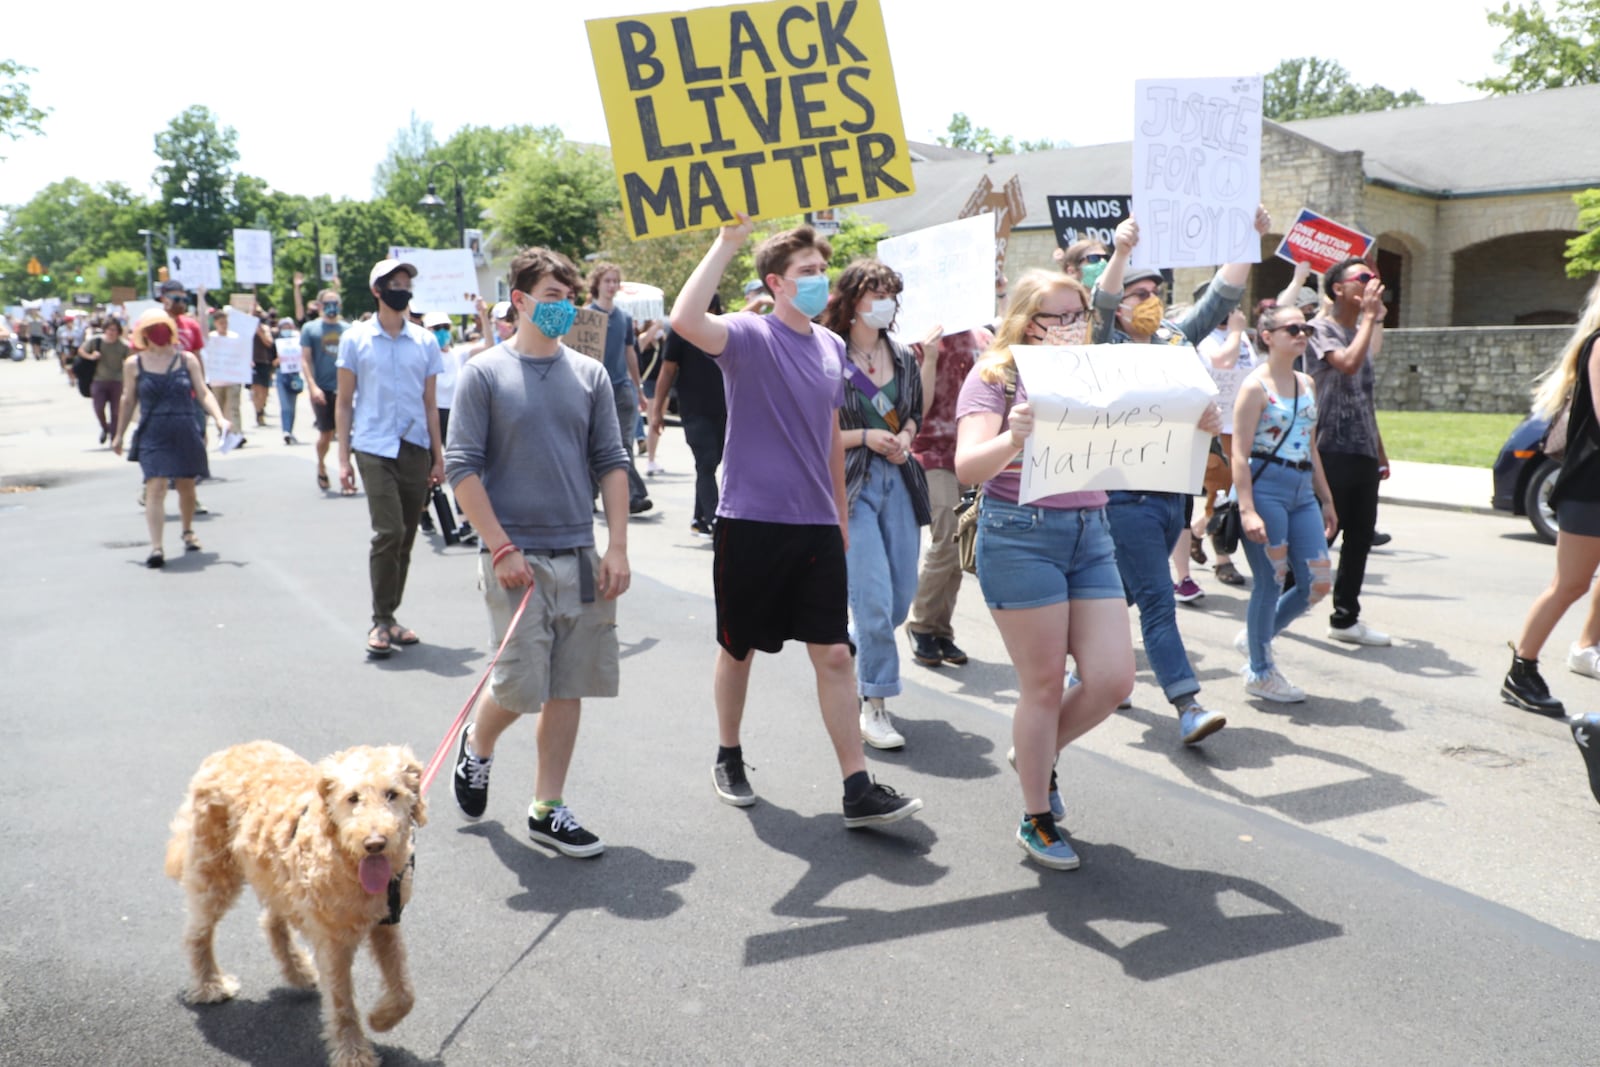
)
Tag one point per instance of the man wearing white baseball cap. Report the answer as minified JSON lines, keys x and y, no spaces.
{"x":392,"y":429}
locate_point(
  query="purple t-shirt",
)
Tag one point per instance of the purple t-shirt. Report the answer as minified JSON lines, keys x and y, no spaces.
{"x":784,"y":392}
{"x":977,"y":396}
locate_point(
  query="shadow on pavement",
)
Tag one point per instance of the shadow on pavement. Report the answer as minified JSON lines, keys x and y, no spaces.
{"x":284,"y":1030}
{"x":1200,"y":917}
{"x":627,"y":882}
{"x":896,"y":853}
{"x":435,"y":659}
{"x":1360,"y":788}
{"x":934,"y":746}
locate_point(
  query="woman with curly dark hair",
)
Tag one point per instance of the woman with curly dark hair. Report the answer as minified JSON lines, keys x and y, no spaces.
{"x":887,"y":490}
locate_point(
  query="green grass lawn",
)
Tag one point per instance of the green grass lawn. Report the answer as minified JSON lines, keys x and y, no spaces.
{"x":1443,"y":437}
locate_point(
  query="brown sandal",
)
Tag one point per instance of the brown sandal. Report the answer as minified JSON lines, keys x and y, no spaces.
{"x":378,"y":645}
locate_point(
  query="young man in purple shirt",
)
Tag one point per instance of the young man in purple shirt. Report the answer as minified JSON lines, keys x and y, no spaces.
{"x":779,"y":563}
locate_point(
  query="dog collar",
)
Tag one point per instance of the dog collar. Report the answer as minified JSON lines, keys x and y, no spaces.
{"x":395,"y":907}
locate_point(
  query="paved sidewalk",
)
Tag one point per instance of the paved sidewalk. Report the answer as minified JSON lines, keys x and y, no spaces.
{"x":1438,"y":485}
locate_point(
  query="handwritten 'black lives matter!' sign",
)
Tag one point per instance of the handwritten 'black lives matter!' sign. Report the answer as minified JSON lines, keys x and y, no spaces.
{"x":771,"y":109}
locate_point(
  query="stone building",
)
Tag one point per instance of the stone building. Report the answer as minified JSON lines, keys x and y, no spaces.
{"x":1471,"y":204}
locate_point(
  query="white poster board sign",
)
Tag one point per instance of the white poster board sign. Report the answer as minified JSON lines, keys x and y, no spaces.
{"x":1113,"y":417}
{"x":447,"y":279}
{"x":227,"y":359}
{"x":252,"y":257}
{"x":288,"y":354}
{"x":196,"y":268}
{"x":948,"y":272}
{"x":134,"y":308}
{"x":328,"y":267}
{"x":1196,"y":171}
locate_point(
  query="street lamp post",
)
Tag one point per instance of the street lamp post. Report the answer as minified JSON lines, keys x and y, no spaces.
{"x":432,"y":199}
{"x":149,"y":266}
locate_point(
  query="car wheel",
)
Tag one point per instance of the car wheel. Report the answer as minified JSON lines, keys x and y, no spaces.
{"x":1536,"y":501}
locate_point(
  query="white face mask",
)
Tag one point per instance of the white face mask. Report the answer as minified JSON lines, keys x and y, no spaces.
{"x":880,"y":315}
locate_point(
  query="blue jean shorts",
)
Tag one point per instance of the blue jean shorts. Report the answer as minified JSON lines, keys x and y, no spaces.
{"x":1029,"y":557}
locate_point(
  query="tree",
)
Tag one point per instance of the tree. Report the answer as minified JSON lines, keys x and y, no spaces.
{"x":479,"y":155}
{"x":69,"y":224}
{"x":857,"y":238}
{"x":196,"y":177}
{"x":963,"y":134}
{"x":1312,"y":88}
{"x":18,"y":116}
{"x":554,"y":193}
{"x":1583,"y":251}
{"x":1545,"y":51}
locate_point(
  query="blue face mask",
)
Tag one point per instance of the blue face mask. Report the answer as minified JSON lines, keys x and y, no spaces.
{"x":330,"y":308}
{"x":443,"y":337}
{"x":811,"y":294}
{"x":553,"y":318}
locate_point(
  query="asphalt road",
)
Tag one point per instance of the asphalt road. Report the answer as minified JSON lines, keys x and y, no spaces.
{"x":1398,"y":870}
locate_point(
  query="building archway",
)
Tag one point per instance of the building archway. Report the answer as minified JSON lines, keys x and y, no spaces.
{"x":1518,"y":279}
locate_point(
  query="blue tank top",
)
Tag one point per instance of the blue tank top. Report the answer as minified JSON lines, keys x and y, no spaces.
{"x":1296,"y":417}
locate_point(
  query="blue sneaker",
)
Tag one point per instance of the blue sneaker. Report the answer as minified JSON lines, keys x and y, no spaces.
{"x":1058,"y":807}
{"x":1196,"y":724}
{"x":1045,"y":844}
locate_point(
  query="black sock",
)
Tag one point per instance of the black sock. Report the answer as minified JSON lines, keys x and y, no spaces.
{"x":1044,"y":819}
{"x":856,"y":786}
{"x":730,"y":755}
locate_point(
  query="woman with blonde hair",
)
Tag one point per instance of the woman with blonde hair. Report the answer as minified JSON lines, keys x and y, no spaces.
{"x":1047,"y":569}
{"x":1576,"y":500}
{"x":165,"y":381}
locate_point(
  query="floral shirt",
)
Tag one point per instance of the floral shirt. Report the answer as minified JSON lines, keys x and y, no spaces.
{"x":935,"y":446}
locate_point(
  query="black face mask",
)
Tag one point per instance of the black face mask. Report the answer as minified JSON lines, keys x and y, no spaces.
{"x":396,"y":299}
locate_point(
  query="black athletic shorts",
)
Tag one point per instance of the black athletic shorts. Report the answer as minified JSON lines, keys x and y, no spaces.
{"x":775,"y":583}
{"x":323,"y":413}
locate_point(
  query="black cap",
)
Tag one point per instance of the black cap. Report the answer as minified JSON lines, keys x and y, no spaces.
{"x":172,"y":287}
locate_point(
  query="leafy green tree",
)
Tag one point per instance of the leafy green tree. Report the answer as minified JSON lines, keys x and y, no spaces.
{"x":857,"y":238}
{"x":1312,"y":88}
{"x":69,"y":224}
{"x":1583,"y":251}
{"x":1545,"y":50}
{"x":554,"y":193}
{"x":122,"y":267}
{"x":479,"y":155}
{"x":196,"y":177}
{"x":963,"y":134}
{"x":18,"y":116}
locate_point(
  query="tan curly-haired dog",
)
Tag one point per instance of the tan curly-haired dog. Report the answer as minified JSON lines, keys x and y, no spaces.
{"x":328,"y":850}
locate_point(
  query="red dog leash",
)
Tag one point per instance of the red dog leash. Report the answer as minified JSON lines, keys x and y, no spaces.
{"x":461,"y":717}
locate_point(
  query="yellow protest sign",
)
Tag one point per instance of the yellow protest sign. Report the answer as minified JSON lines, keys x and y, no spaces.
{"x":771,"y":109}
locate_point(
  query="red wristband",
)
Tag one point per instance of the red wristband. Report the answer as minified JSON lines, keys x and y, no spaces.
{"x":501,"y":553}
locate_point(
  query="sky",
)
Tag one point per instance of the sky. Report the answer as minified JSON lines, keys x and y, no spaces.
{"x":317,"y":99}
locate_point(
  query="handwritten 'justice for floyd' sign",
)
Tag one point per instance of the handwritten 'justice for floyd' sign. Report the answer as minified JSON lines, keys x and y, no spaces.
{"x":1113,"y":417}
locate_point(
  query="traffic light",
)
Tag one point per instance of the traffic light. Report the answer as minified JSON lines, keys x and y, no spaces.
{"x":78,"y":278}
{"x":46,"y":279}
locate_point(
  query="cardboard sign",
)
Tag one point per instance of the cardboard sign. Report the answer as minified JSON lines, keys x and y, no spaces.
{"x":328,"y":268}
{"x":288,"y":354}
{"x":948,"y":272}
{"x":1113,"y":417}
{"x":1078,"y":218}
{"x":447,"y":279}
{"x":196,"y":268}
{"x":121,"y":294}
{"x":227,"y":359}
{"x":588,"y":333}
{"x":1321,"y":242}
{"x":245,"y":302}
{"x":252,"y":257}
{"x":769,"y":108}
{"x":1008,"y":208}
{"x":1197,"y":171}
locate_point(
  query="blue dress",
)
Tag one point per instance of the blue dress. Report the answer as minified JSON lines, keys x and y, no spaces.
{"x":170,"y":441}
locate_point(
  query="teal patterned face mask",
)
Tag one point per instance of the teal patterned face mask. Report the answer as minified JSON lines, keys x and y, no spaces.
{"x":553,"y":318}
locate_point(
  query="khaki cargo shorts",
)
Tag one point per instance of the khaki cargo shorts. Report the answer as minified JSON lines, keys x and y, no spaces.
{"x":563,"y":649}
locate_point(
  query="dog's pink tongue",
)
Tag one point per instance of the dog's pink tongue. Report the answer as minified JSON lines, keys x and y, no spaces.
{"x":375,"y":874}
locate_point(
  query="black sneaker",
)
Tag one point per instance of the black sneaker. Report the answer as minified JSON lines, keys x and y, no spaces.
{"x":925,"y":649}
{"x":425,"y":524}
{"x":731,"y":785}
{"x":639,"y":507}
{"x":951,"y":653}
{"x":560,"y":830}
{"x":880,"y":804}
{"x":471,"y":779}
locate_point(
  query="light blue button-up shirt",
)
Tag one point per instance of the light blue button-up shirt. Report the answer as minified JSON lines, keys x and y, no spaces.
{"x":391,"y":374}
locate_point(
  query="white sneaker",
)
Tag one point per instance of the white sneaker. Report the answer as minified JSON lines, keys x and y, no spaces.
{"x":1273,"y":686}
{"x":1241,"y":644}
{"x":1584,"y":660}
{"x":1359,"y":634}
{"x":877,"y":729}
{"x":653,"y":468}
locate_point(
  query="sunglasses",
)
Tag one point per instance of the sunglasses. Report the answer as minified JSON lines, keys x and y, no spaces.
{"x":1095,"y":257}
{"x":1294,"y":329}
{"x":1045,"y":319}
{"x":1361,"y":279}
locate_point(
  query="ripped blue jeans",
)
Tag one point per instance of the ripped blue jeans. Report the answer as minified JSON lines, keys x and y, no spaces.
{"x":1286,"y":500}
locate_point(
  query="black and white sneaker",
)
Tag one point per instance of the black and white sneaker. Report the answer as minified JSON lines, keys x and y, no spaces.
{"x":732,"y":786}
{"x":880,"y":804}
{"x":471,"y":779}
{"x":560,"y":830}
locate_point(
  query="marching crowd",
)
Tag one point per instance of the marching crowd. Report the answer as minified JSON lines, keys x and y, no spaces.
{"x":823,"y":445}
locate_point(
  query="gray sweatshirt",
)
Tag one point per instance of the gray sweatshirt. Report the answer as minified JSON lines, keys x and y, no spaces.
{"x":534,"y":431}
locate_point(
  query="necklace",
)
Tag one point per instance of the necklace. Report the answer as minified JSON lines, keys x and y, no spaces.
{"x":870,"y":356}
